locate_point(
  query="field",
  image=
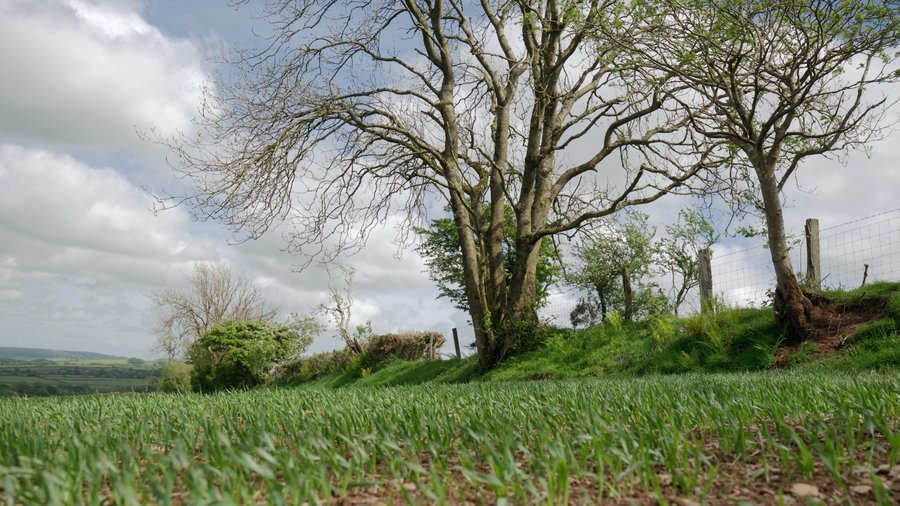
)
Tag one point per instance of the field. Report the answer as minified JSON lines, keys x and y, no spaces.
{"x":43,"y":377}
{"x":714,"y":439}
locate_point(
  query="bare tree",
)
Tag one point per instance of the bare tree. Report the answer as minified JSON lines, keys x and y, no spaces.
{"x":359,"y":110}
{"x":211,"y":294}
{"x":777,"y":82}
{"x":339,"y":307}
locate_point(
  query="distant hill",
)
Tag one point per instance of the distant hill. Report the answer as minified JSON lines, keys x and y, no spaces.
{"x":9,"y":353}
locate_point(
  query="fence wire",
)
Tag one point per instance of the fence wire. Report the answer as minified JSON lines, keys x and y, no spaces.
{"x":746,"y":278}
{"x":743,"y":275}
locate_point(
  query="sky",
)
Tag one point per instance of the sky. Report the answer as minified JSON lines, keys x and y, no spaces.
{"x":80,"y":249}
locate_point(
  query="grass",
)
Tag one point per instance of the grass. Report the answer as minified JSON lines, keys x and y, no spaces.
{"x":611,"y":422}
{"x":552,"y":442}
{"x":729,"y":340}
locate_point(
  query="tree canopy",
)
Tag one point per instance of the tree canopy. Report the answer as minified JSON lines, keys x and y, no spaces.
{"x":238,"y":354}
{"x":774,"y":83}
{"x":359,"y":110}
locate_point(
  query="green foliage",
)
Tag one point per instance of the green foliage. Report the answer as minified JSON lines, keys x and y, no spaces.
{"x":516,"y":337}
{"x":603,"y":263}
{"x":305,"y":328}
{"x":403,"y":346}
{"x":728,"y":339}
{"x":614,"y":320}
{"x":664,"y":329}
{"x":441,"y":251}
{"x":378,"y":350}
{"x":176,"y":377}
{"x":239,"y":354}
{"x":314,"y":367}
{"x":678,"y":252}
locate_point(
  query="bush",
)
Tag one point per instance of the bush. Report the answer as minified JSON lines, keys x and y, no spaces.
{"x":176,"y":377}
{"x":239,"y":354}
{"x":377,"y":349}
{"x":517,"y":337}
{"x":313,"y":367}
{"x":403,"y":346}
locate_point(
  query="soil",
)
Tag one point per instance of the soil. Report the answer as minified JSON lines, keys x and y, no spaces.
{"x":832,"y":322}
{"x":746,"y":481}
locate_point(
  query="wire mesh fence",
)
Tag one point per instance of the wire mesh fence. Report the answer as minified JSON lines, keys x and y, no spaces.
{"x":861,"y":250}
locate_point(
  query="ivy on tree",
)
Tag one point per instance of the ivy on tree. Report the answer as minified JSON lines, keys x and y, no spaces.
{"x":440,"y":248}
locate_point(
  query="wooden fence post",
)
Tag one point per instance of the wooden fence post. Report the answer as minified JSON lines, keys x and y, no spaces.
{"x":456,"y":343}
{"x":704,"y":258}
{"x":813,"y":265}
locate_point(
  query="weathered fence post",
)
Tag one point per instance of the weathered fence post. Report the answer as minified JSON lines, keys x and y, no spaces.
{"x":704,"y":262}
{"x":813,"y":265}
{"x":456,"y":343}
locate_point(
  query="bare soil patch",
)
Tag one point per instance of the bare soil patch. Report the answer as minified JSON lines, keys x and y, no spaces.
{"x":832,"y":322}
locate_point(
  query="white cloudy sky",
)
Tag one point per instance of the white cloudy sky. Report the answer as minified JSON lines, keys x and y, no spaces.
{"x":79,"y":248}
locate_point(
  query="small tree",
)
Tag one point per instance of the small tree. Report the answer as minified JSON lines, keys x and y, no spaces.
{"x":614,"y":265}
{"x":585,"y":314}
{"x":238,"y":354}
{"x":339,"y":307}
{"x":176,"y":377}
{"x":211,"y":294}
{"x":305,"y":329}
{"x":678,"y":252}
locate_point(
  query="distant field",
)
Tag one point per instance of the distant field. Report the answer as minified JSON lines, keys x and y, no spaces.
{"x":13,"y":353}
{"x":38,"y":378}
{"x":761,"y":438}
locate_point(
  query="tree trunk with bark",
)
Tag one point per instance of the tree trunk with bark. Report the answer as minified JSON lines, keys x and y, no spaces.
{"x":793,"y":309}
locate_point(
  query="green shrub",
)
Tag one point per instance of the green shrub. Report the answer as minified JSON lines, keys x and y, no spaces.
{"x":239,"y":354}
{"x":614,"y":320}
{"x":404,"y":346}
{"x":313,"y":367}
{"x":517,"y":337}
{"x":176,"y":377}
{"x":664,"y":329}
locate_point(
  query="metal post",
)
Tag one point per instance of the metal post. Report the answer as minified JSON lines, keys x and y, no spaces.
{"x":456,"y":343}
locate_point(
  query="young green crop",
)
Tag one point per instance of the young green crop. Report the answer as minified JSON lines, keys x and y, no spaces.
{"x":528,"y":442}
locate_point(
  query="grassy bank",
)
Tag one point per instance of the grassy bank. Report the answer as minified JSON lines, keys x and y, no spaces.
{"x":729,"y":340}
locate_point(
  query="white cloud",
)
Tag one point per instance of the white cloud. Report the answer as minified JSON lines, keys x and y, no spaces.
{"x":86,"y":75}
{"x":81,"y":249}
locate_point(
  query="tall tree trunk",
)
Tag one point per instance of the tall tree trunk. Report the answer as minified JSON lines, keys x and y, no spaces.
{"x":474,"y":284}
{"x":628,"y":294}
{"x":792,"y":308}
{"x":601,"y":294}
{"x":521,"y":300}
